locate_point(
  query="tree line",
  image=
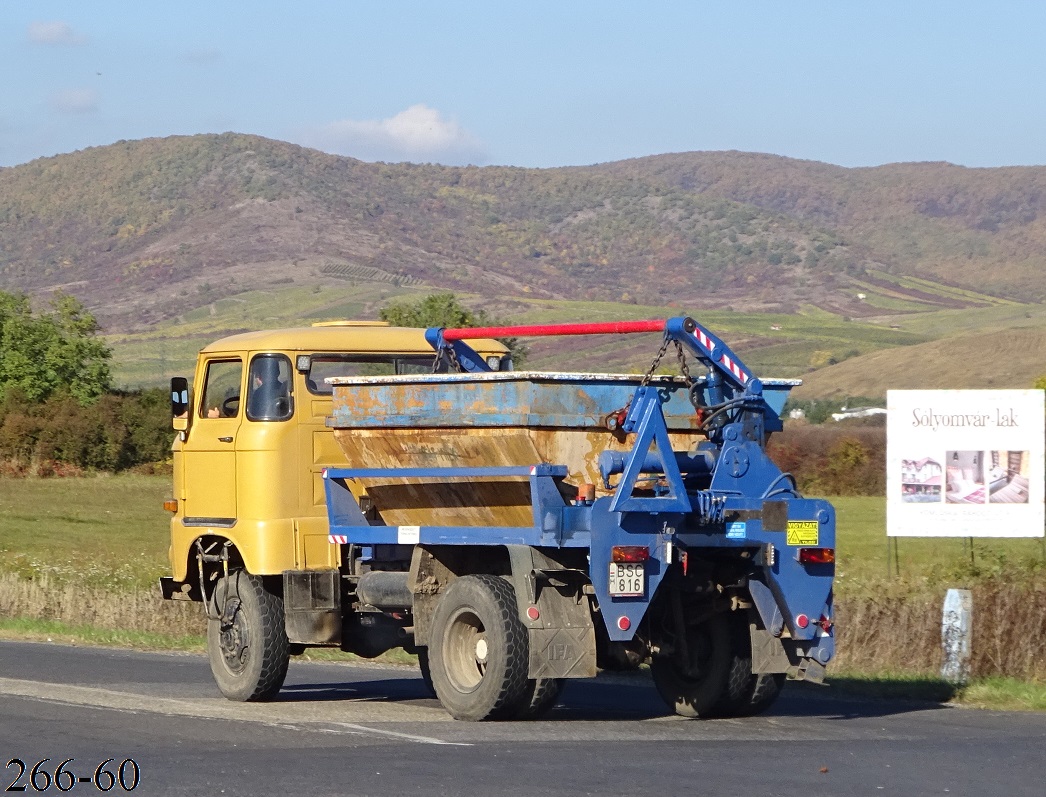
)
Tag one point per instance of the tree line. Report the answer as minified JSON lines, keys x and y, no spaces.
{"x":59,"y":413}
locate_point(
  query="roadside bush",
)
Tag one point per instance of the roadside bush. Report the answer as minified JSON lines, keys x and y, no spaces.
{"x":840,"y":459}
{"x":60,"y":436}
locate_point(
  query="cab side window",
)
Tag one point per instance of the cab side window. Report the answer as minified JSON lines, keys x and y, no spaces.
{"x":221,"y":389}
{"x":269,"y":388}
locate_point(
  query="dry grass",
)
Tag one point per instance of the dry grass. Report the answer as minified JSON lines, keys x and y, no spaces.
{"x":67,"y":603}
{"x":897,"y":629}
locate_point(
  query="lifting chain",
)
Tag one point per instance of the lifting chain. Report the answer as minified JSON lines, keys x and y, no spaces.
{"x":657,"y":361}
{"x":453,"y":364}
{"x":684,"y":367}
{"x":615,"y":419}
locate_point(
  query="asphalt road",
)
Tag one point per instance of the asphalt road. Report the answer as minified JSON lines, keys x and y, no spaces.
{"x":370,"y":730}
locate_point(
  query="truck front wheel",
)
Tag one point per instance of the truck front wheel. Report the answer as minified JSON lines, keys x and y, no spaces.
{"x":692,"y":677}
{"x":478,"y":650}
{"x":247,"y":643}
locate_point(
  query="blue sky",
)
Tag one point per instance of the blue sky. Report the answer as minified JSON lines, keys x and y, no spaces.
{"x":534,"y":83}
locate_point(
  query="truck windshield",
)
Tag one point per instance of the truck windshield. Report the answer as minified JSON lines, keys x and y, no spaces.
{"x":324,"y":366}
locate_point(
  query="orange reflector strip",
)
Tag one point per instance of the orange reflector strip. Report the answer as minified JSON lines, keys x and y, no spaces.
{"x":171,"y":505}
{"x":816,"y":556}
{"x":629,"y":553}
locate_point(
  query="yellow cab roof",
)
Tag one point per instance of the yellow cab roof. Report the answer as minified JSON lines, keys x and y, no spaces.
{"x":362,"y":337}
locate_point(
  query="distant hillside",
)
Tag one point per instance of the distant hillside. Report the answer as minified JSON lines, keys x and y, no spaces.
{"x":161,"y":235}
{"x":1009,"y":360}
{"x":984,"y":229}
{"x":138,"y":228}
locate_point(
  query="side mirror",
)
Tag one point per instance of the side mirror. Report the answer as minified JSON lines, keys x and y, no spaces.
{"x":180,"y":403}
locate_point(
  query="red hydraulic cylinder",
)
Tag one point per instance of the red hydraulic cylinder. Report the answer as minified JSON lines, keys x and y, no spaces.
{"x":544,"y":330}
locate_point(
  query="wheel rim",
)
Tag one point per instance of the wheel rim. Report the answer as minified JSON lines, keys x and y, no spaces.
{"x":465,"y":651}
{"x":234,"y":641}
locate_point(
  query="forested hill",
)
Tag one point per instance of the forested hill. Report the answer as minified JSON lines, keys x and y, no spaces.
{"x":141,"y":230}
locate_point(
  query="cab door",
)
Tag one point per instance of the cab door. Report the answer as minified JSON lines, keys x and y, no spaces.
{"x":209,"y":451}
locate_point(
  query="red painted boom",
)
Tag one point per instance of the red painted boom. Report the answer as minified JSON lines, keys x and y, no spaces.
{"x":544,"y":330}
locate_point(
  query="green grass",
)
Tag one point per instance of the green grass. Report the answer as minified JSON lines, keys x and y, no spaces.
{"x":1004,"y":694}
{"x":64,"y":633}
{"x":999,"y":694}
{"x":947,"y":291}
{"x":948,"y":323}
{"x":863,"y":558}
{"x":105,"y":530}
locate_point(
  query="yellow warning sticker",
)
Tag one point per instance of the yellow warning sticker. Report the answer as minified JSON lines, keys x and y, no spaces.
{"x":802,"y":532}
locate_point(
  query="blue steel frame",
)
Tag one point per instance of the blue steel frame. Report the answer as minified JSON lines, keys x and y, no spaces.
{"x":720,"y":509}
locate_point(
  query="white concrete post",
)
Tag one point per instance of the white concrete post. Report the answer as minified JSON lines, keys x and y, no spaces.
{"x":956,"y":628}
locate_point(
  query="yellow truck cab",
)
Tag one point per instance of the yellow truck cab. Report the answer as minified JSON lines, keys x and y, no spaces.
{"x":249,"y":520}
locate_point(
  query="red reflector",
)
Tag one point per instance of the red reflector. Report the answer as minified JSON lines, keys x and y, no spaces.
{"x":629,"y":553}
{"x":817,"y":556}
{"x":624,"y":623}
{"x":533,"y":613}
{"x":802,"y":621}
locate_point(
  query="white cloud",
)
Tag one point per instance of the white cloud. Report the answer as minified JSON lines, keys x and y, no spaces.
{"x":419,"y":134}
{"x":54,"y":33}
{"x":75,"y":101}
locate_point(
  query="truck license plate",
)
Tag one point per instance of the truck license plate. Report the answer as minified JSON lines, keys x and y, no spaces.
{"x":627,"y":579}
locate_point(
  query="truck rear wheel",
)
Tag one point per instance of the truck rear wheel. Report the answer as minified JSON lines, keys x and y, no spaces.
{"x":691,"y":679}
{"x":539,"y":696}
{"x":746,"y":693}
{"x":426,"y":670}
{"x":247,"y":645}
{"x":478,"y":651}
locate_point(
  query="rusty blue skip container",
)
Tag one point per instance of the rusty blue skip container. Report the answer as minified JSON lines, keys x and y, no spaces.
{"x":499,"y":419}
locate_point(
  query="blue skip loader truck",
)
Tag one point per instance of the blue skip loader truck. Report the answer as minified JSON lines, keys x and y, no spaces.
{"x":523,"y":528}
{"x":407,"y":488}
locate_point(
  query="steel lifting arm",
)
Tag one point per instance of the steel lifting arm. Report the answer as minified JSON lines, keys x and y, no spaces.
{"x":705,"y":345}
{"x":729,"y":383}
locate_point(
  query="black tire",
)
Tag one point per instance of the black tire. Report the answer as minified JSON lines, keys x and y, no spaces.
{"x":691,"y":687}
{"x":478,"y":649}
{"x":539,"y":696}
{"x":247,"y":646}
{"x":747,"y":693}
{"x":426,"y":670}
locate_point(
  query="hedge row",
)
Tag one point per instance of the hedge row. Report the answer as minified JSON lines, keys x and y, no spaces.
{"x":833,"y":459}
{"x":59,"y":436}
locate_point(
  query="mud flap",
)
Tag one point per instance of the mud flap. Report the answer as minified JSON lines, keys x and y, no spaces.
{"x":312,"y":606}
{"x":551,"y":599}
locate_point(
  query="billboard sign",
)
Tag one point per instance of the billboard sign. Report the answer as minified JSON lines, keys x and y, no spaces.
{"x":965,"y":463}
